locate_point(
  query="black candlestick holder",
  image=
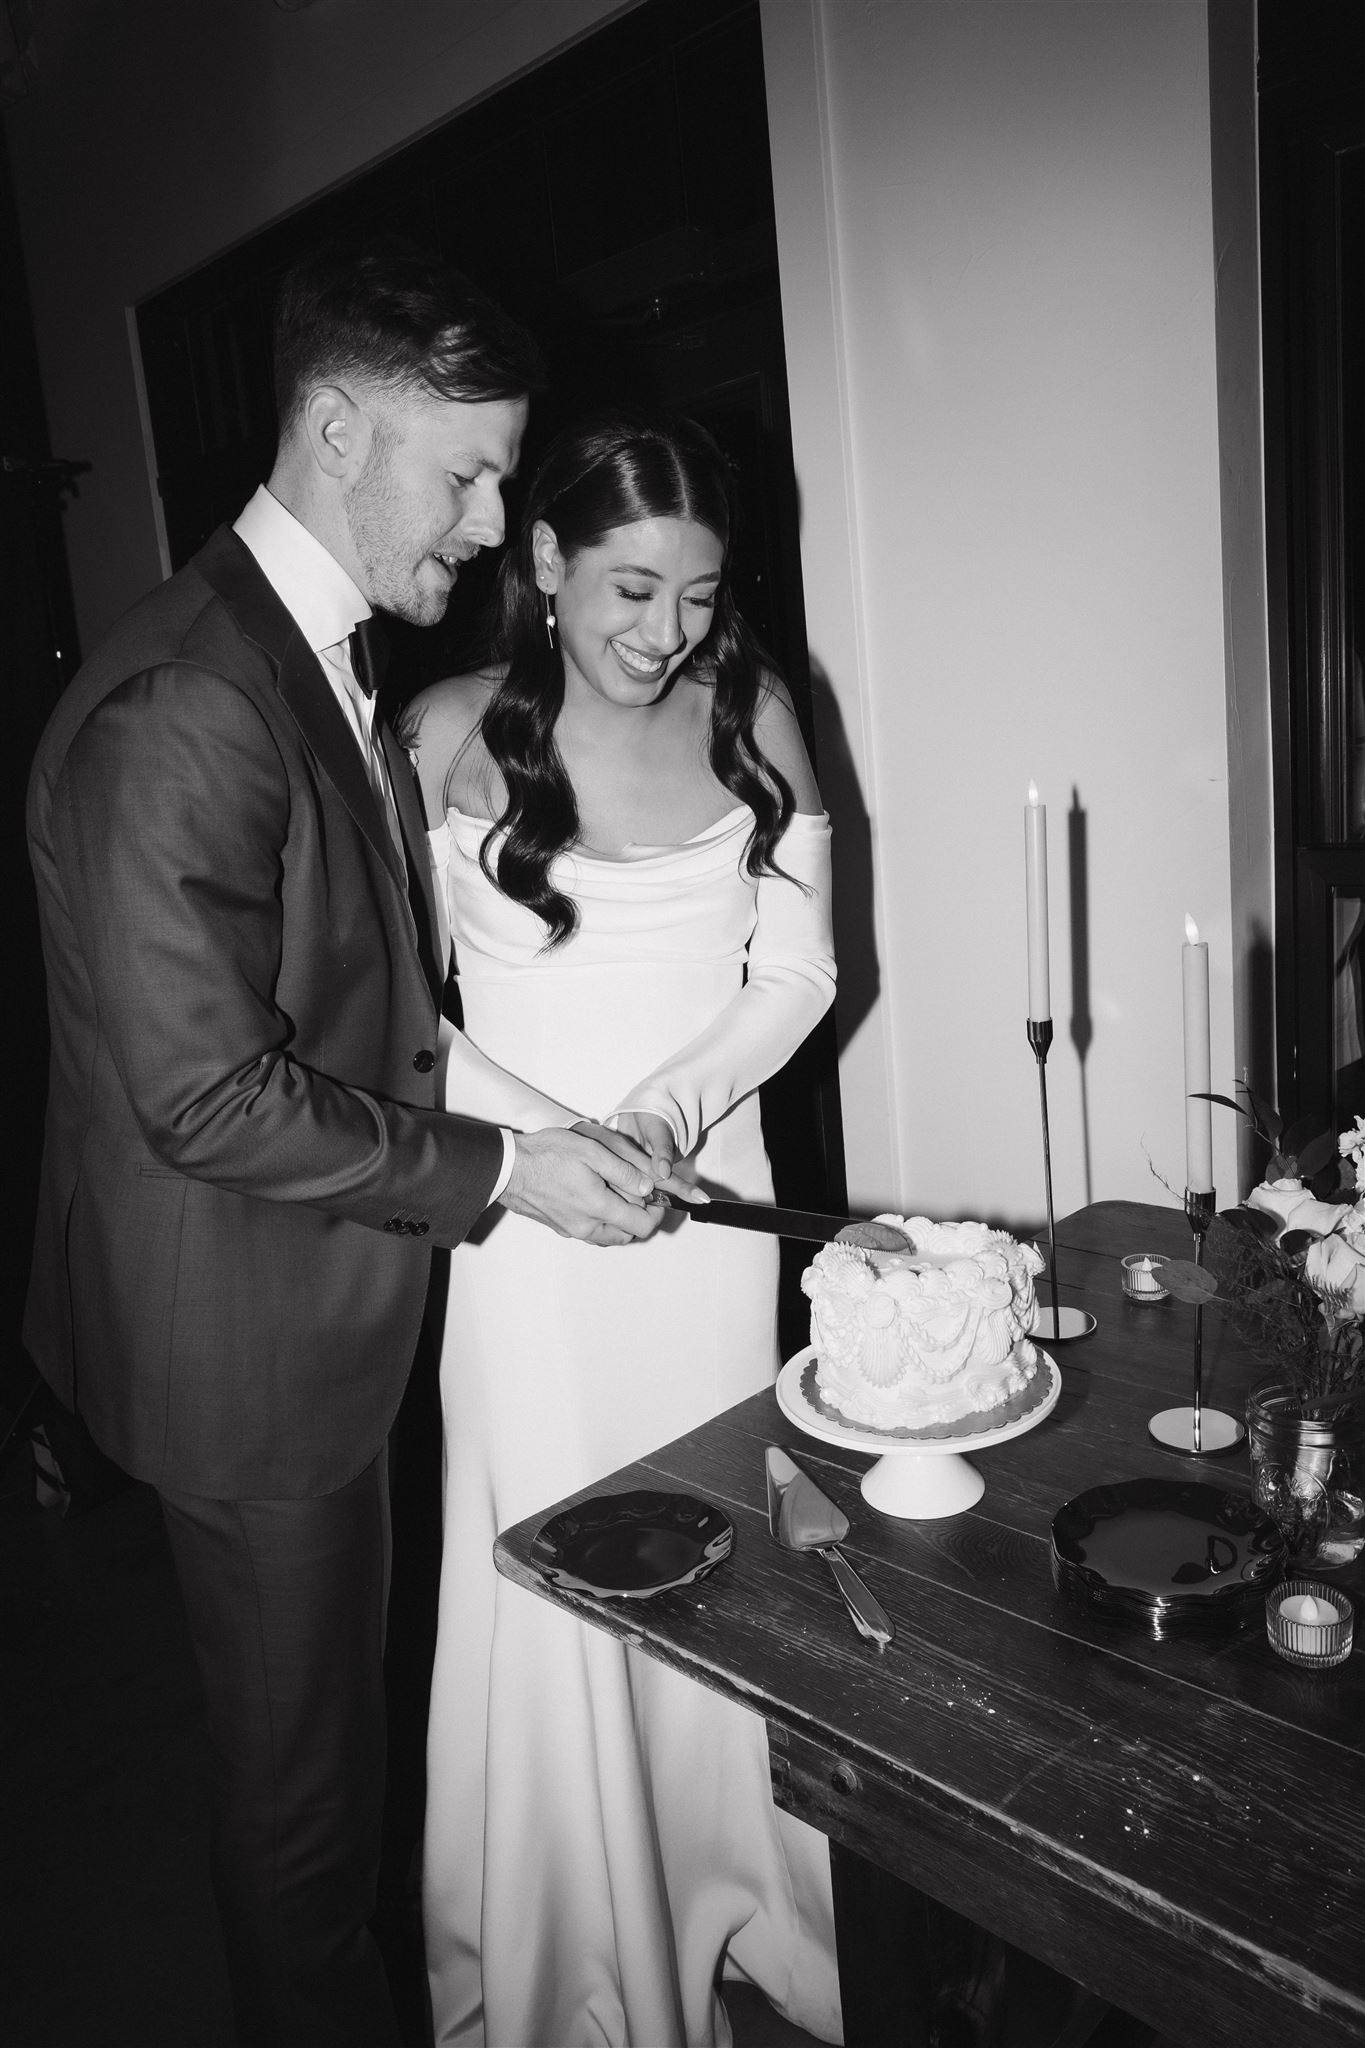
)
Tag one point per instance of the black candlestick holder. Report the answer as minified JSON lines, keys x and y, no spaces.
{"x":1197,"y":1431}
{"x":1056,"y":1325}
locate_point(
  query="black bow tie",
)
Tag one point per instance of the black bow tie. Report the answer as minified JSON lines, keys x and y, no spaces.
{"x":369,"y":655}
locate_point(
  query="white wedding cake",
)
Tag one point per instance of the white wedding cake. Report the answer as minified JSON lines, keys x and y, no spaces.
{"x":911,"y":1340}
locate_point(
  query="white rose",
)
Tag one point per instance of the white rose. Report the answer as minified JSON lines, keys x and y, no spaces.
{"x":1332,"y":1266}
{"x":1353,"y":1140}
{"x":1277,"y":1197}
{"x":1351,"y":1145}
{"x":1293,"y":1208}
{"x":1320,"y":1216}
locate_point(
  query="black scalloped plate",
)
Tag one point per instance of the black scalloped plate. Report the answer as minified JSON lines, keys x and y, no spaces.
{"x":629,"y":1546}
{"x":1169,"y":1556}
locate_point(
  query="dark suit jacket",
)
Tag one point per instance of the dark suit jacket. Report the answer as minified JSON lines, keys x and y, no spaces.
{"x":244,"y":1164}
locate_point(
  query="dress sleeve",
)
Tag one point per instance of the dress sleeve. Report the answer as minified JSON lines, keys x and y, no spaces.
{"x":789,"y":986}
{"x":470,"y":1084}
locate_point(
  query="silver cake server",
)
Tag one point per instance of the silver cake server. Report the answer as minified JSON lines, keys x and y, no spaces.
{"x":800,"y":1517}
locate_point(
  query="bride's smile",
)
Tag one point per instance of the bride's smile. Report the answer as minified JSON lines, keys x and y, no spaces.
{"x":633,"y":608}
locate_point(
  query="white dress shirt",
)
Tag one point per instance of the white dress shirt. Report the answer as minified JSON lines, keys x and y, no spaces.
{"x":326,"y":606}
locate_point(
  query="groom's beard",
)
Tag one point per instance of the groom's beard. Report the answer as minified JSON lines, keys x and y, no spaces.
{"x":393,"y":541}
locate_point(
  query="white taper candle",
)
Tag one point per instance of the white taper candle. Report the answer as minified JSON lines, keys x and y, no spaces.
{"x":1035,"y":888}
{"x":1198,"y":1063}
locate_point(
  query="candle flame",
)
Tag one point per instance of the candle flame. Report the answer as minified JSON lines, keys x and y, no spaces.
{"x":1033,"y":794}
{"x":1191,"y":931}
{"x":1310,"y":1614}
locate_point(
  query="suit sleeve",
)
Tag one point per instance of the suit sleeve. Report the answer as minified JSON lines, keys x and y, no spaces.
{"x":171,"y":822}
{"x":788,"y":988}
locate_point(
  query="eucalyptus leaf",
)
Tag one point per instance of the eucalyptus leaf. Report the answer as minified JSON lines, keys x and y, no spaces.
{"x":1269,"y":1119}
{"x":1188,"y":1282}
{"x":1317,"y":1152}
{"x":1202,"y":1095}
{"x":1257,"y":1223}
{"x":1298,"y":1134}
{"x":1295,"y":1243}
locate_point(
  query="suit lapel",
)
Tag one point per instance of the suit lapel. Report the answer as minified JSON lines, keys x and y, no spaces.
{"x":230,"y":567}
{"x":421,"y":887}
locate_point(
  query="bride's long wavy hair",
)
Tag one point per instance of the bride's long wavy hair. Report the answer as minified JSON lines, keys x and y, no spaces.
{"x":613,"y":470}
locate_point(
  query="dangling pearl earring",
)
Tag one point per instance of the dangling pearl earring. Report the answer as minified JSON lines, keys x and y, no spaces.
{"x":550,"y":620}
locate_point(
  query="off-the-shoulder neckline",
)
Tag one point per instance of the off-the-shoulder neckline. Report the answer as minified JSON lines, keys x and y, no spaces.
{"x":740,"y":810}
{"x":594,"y":853}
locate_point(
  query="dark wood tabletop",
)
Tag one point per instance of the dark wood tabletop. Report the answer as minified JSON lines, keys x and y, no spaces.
{"x":1179,"y":1826}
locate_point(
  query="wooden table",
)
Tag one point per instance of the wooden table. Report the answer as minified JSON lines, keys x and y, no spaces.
{"x":1177,"y":1826}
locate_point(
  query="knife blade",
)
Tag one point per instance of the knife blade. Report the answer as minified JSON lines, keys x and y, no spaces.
{"x":802,"y":1518}
{"x":803,"y":1223}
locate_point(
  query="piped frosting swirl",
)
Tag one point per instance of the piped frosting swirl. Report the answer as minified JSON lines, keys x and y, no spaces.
{"x":910,"y":1339}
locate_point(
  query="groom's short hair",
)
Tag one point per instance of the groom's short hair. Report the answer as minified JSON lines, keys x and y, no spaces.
{"x":384,"y":312}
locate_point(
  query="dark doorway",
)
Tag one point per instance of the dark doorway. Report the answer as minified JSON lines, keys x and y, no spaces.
{"x":1312,"y":122}
{"x":37,"y":654}
{"x":618,"y":199}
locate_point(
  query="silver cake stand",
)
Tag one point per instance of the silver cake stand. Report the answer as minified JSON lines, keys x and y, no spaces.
{"x":916,"y":1478}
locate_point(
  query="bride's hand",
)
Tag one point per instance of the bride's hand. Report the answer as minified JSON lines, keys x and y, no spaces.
{"x":655,"y":1138}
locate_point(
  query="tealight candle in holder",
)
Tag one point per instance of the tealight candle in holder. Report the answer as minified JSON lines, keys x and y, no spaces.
{"x":1310,"y":1624}
{"x":1142,"y":1277}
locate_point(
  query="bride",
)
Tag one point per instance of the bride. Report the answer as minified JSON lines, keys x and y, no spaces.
{"x":636,"y":868}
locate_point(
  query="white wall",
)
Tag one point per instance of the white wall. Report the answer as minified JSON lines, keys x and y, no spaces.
{"x":998,"y":279}
{"x":1236,"y":236}
{"x":155,"y":136}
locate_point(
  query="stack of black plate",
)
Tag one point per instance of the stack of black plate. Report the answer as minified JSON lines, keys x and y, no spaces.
{"x":1168,"y":1556}
{"x":629,"y":1546}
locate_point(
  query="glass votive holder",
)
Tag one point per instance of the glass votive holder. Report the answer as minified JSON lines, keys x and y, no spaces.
{"x":1142,"y":1277}
{"x":1310,"y":1624}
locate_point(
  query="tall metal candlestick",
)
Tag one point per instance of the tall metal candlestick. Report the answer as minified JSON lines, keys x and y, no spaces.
{"x":1067,"y":1323}
{"x":1197,"y":1431}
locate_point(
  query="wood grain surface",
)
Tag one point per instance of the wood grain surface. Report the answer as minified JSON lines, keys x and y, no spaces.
{"x":1179,"y":1826}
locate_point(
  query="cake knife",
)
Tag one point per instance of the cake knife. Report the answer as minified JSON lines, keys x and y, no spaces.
{"x":802,"y":1223}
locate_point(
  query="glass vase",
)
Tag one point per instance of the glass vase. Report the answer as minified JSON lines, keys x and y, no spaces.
{"x":1308,"y":1474}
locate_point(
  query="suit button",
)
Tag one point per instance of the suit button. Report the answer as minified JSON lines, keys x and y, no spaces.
{"x":392,"y":1223}
{"x":424,"y":1061}
{"x":422,"y":1227}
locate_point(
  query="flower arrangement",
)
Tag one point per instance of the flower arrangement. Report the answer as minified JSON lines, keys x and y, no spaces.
{"x":1288,"y":1264}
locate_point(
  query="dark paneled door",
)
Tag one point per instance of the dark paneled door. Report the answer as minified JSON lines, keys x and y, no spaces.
{"x":1312,"y":109}
{"x":37,"y":654}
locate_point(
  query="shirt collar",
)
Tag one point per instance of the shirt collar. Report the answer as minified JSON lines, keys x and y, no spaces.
{"x":310,"y":583}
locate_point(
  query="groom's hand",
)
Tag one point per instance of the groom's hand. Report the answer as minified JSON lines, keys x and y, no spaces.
{"x":586,"y":1183}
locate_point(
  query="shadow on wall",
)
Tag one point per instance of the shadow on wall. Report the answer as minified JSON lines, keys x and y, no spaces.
{"x":855,"y":938}
{"x":1081,"y":1026}
{"x":1258,"y":1009}
{"x":1082,"y":1022}
{"x":854,"y":925}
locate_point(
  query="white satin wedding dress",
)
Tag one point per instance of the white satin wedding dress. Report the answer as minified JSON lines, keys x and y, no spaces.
{"x":601,"y":1835}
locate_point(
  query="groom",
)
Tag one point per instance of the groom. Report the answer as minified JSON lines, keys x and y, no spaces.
{"x":245,"y":1164}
